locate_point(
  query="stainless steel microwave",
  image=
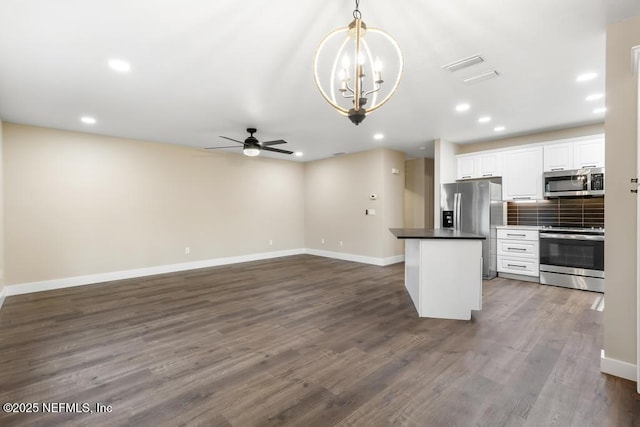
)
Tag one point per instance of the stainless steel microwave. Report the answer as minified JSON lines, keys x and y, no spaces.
{"x":573,"y":183}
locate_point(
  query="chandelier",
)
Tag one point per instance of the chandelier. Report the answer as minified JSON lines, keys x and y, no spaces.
{"x":352,"y":67}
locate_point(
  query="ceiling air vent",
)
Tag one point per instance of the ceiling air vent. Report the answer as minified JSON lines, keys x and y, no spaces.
{"x":463,"y":63}
{"x":481,"y":77}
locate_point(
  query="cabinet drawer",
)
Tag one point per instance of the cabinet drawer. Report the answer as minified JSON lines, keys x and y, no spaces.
{"x":519,"y":248}
{"x":523,"y":266}
{"x":511,"y":233}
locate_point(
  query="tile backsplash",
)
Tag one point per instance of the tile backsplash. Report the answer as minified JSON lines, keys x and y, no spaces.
{"x":573,"y":212}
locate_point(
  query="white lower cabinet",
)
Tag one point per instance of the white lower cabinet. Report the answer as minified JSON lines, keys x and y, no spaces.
{"x":518,"y":251}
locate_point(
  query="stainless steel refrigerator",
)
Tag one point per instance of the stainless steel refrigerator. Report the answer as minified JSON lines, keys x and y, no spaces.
{"x":475,"y":207}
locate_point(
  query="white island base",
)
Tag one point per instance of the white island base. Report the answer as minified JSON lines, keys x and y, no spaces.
{"x":444,"y":276}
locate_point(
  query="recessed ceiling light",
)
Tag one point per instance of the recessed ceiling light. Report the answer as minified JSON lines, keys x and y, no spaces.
{"x":298,"y":154}
{"x":599,"y":110}
{"x":378,"y":136}
{"x":119,"y":65}
{"x":462,"y":107}
{"x":88,"y":120}
{"x":484,"y":119}
{"x":586,"y":77}
{"x":594,"y":97}
{"x":499,"y":128}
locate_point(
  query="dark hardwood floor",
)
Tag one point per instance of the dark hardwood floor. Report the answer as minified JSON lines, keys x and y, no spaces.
{"x":302,"y":341}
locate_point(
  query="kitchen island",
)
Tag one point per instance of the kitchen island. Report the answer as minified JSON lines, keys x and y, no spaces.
{"x":443,"y":271}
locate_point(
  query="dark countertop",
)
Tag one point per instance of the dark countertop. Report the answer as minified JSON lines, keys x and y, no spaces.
{"x":433,"y":233}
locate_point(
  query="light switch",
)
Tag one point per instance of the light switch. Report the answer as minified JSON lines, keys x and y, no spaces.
{"x":370,"y":212}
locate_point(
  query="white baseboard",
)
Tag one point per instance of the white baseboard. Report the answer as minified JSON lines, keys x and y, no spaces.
{"x":67,"y":282}
{"x":617,"y":368}
{"x":356,"y":258}
{"x":47,"y":285}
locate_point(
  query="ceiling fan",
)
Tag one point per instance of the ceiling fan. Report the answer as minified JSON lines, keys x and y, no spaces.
{"x":251,"y":145}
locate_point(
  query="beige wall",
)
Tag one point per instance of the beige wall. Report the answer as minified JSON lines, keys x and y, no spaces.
{"x":414,"y":193}
{"x":620,"y":205}
{"x":393,"y":179}
{"x":337,"y":194}
{"x":78,"y":204}
{"x":418,"y":193}
{"x":532,"y":138}
{"x":428,"y":193}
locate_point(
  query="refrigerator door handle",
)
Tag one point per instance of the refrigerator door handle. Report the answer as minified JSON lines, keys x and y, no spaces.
{"x":456,"y":210}
{"x":459,"y":211}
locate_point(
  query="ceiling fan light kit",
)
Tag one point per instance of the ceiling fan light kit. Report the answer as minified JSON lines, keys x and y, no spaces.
{"x":251,"y":147}
{"x":251,"y":151}
{"x":352,"y":68}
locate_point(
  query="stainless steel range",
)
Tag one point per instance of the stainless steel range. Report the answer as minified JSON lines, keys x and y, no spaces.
{"x":572,"y":257}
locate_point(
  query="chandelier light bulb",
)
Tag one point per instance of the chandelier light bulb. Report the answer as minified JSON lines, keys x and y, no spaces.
{"x":346,"y":63}
{"x":377,"y":65}
{"x":377,"y":71}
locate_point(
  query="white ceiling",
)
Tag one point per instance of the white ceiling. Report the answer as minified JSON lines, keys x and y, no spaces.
{"x":201,"y":69}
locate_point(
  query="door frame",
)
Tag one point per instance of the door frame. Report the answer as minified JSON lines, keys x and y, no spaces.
{"x":635,"y":61}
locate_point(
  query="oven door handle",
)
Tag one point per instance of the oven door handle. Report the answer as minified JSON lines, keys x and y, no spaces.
{"x":571,"y":236}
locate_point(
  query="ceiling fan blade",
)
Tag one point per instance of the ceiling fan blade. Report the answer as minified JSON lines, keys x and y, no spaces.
{"x":215,"y":148}
{"x":277,"y":150}
{"x":276,"y":142}
{"x":231,"y":139}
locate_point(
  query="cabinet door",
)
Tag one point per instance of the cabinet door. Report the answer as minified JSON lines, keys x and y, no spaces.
{"x":522,"y":174}
{"x":589,"y":154}
{"x":558,"y":157}
{"x":489,"y":165}
{"x":466,"y":167}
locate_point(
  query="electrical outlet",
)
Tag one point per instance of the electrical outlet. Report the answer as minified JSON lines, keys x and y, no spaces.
{"x":341,"y":244}
{"x":322,"y":241}
{"x":270,"y":242}
{"x":187,"y":250}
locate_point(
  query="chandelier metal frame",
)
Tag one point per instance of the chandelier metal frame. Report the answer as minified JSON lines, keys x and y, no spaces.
{"x":352,"y":76}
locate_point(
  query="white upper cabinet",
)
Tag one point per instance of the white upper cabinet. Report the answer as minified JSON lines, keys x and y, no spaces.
{"x":477,"y":165}
{"x":489,"y":165}
{"x":558,"y":157}
{"x":466,"y":167}
{"x":521,"y":168}
{"x":574,"y":154}
{"x":589,"y":153}
{"x":522,"y":174}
